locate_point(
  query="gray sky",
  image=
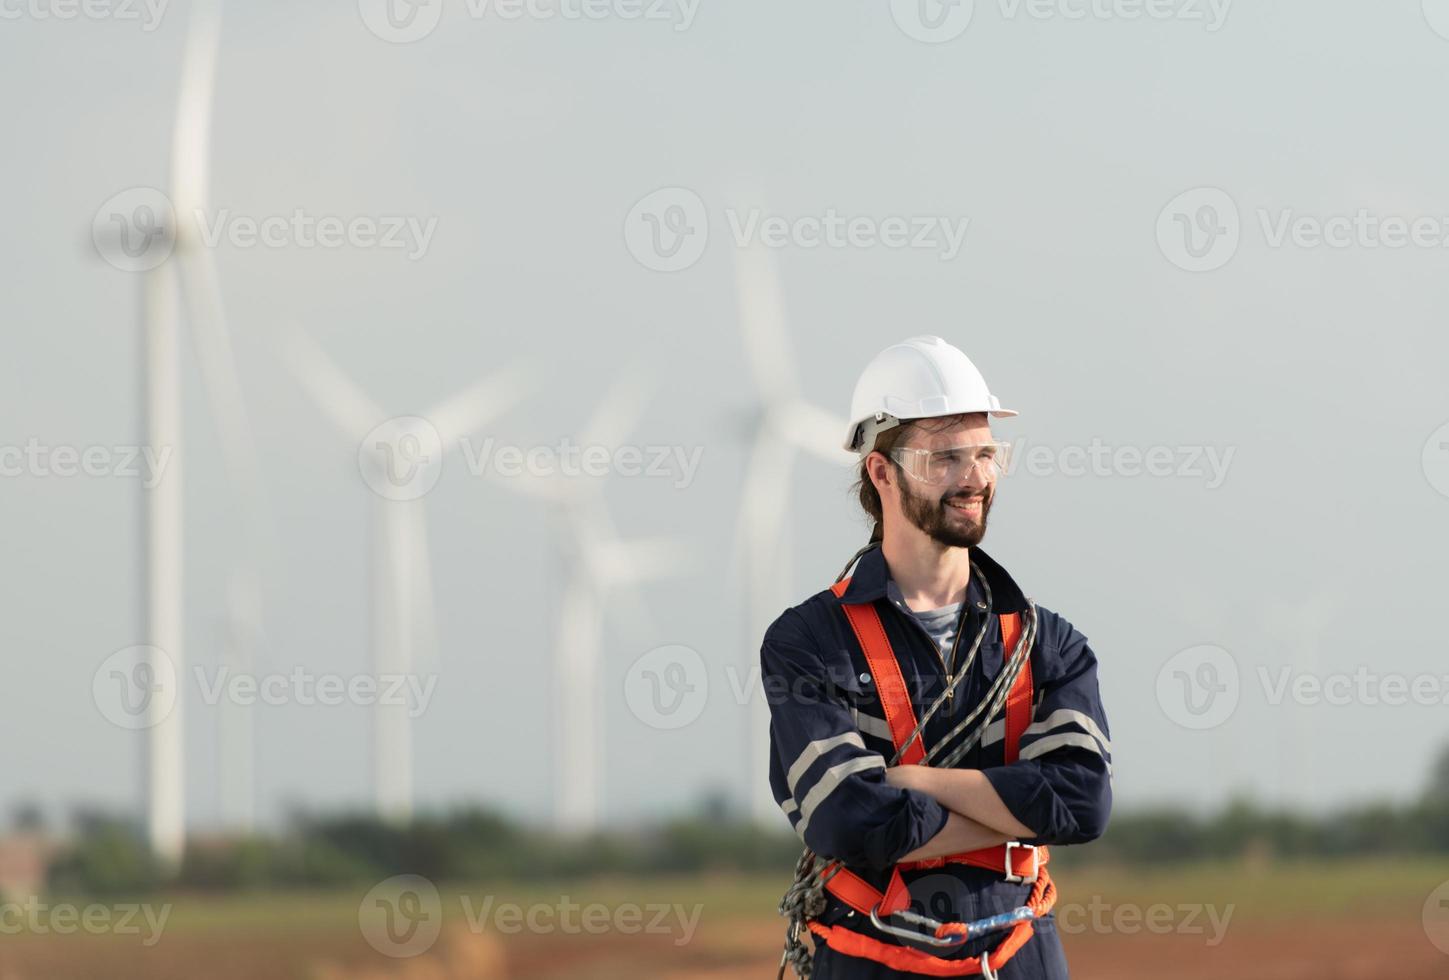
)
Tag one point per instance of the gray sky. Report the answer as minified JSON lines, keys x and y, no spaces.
{"x":1061,"y":140}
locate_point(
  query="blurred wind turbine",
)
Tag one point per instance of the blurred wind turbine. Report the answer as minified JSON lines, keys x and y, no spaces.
{"x":404,"y":616}
{"x":786,"y":424}
{"x":211,"y":339}
{"x":164,"y":769}
{"x":599,"y":566}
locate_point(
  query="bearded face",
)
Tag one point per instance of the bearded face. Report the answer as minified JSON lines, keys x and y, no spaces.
{"x":955,"y":517}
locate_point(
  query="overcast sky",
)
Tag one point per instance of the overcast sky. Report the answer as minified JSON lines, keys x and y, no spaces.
{"x":1274,"y":340}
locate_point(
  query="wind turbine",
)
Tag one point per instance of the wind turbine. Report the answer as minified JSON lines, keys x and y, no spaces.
{"x":785,"y":426}
{"x":190,"y":264}
{"x":201,"y":291}
{"x":599,"y":566}
{"x":400,"y":577}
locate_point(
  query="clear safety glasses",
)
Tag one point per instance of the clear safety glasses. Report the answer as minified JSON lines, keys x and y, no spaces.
{"x":945,"y":467}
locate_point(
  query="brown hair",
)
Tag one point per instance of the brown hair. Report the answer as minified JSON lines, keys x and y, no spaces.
{"x":865,"y":490}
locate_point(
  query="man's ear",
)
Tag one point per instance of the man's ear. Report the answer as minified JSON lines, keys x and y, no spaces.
{"x":879,"y":470}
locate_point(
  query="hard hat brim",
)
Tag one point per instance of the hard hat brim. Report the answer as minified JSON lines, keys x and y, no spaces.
{"x":855,"y":429}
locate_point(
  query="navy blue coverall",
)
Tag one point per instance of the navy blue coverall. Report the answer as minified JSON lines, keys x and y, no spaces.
{"x":830,"y":745}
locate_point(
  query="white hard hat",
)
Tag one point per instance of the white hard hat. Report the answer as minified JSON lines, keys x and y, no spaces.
{"x":920,"y":378}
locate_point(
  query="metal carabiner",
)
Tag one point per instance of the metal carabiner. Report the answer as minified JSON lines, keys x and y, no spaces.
{"x":920,"y":920}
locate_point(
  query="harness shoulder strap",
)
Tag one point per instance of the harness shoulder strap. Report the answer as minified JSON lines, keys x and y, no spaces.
{"x":1019,"y":700}
{"x":890,"y":684}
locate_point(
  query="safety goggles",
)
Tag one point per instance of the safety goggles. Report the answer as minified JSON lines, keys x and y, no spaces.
{"x":945,"y":467}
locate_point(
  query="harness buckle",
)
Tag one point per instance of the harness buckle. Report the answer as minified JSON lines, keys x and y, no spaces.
{"x":1011,"y":875}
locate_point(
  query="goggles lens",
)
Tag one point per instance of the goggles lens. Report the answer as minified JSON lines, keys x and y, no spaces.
{"x":944,"y":467}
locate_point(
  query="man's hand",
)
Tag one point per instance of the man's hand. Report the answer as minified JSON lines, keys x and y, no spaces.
{"x":964,"y":791}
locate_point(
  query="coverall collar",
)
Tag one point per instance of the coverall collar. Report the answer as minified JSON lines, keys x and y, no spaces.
{"x":872,"y":581}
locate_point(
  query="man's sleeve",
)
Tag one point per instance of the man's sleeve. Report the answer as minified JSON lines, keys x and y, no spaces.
{"x":833,"y":791}
{"x":1061,"y":784}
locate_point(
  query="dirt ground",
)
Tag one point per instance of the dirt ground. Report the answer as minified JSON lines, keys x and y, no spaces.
{"x":1325,"y":951}
{"x":1323,"y":923}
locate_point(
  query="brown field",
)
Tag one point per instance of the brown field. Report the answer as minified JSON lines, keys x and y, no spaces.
{"x":1336,"y":922}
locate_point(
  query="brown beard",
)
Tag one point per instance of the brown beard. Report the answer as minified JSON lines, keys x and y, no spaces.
{"x":932,"y":518}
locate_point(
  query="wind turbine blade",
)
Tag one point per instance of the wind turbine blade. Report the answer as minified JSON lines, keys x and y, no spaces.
{"x":475,"y":407}
{"x":336,"y":394}
{"x":425,"y":620}
{"x":763,"y":496}
{"x":639,"y":559}
{"x":814,"y":430}
{"x":763,"y":325}
{"x":621,"y":408}
{"x":191,"y":141}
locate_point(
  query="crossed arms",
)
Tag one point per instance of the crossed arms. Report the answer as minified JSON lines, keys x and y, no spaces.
{"x":976,"y":815}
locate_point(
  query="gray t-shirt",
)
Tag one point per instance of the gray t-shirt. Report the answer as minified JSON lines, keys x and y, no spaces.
{"x":941,"y":624}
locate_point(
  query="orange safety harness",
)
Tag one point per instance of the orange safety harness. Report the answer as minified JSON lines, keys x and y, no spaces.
{"x":1016,"y":862}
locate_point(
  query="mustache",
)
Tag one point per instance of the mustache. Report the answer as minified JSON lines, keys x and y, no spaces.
{"x":979,"y":495}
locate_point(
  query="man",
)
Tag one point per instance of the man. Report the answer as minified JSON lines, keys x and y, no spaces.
{"x":927,"y":833}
